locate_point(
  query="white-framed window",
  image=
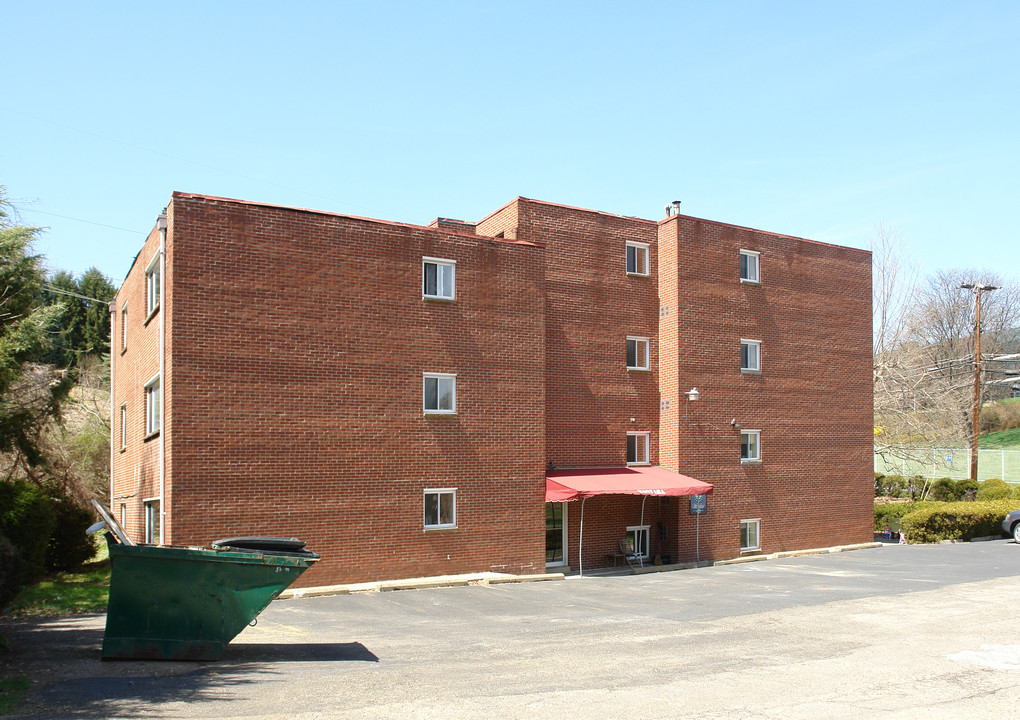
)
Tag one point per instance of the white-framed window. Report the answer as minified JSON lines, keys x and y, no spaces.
{"x":440,"y":508}
{"x":750,"y":445}
{"x":637,"y":353}
{"x":152,"y":530}
{"x":750,"y":536}
{"x":749,"y":266}
{"x":637,"y":258}
{"x":637,"y":448}
{"x":123,"y":328}
{"x":123,"y":516}
{"x":439,"y":392}
{"x":438,"y":278}
{"x":750,"y":355}
{"x":123,"y":426}
{"x":153,"y":406}
{"x":152,"y":281}
{"x":638,"y":535}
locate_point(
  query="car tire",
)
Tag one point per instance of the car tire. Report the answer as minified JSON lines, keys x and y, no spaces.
{"x":1016,"y":532}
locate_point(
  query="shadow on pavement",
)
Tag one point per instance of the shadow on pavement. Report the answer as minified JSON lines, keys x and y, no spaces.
{"x":297,"y":652}
{"x":61,"y":656}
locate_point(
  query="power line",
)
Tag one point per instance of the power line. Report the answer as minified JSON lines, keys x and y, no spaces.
{"x":61,"y":291}
{"x":90,"y":222}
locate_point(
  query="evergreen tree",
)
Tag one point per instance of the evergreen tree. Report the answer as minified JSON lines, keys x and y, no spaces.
{"x":29,"y":392}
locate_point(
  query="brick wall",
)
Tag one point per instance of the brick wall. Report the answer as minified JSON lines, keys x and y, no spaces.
{"x":811,"y":401}
{"x":135,"y":474}
{"x":298,"y":343}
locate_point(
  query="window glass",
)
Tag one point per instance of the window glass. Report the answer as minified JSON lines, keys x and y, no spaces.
{"x":152,"y":281}
{"x":440,"y":508}
{"x":637,"y":353}
{"x":153,"y":409}
{"x":637,"y":259}
{"x":152,"y":531}
{"x":440,"y":393}
{"x":749,"y":535}
{"x":637,"y":448}
{"x":749,"y":445}
{"x":750,"y":351}
{"x":749,"y":266}
{"x":438,"y":278}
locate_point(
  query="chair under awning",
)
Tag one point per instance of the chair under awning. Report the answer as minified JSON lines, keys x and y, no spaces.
{"x":583,"y":483}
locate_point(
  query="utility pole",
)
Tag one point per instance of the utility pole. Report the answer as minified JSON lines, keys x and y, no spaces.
{"x":975,"y":428}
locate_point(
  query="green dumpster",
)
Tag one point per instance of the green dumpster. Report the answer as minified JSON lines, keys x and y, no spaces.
{"x":175,"y":603}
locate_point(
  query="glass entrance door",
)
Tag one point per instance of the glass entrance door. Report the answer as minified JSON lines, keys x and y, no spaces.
{"x":555,"y":533}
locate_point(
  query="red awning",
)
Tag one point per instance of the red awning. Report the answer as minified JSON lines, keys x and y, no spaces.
{"x":565,"y":485}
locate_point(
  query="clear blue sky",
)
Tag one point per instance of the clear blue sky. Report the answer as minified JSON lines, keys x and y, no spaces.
{"x":817,"y":119}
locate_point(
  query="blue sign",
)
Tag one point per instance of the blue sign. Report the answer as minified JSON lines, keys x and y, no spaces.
{"x":698,"y":504}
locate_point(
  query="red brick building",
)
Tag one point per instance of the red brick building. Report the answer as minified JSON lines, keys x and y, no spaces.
{"x":396,"y":395}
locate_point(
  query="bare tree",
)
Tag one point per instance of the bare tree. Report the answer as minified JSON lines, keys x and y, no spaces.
{"x":894,"y":284}
{"x":923,"y":359}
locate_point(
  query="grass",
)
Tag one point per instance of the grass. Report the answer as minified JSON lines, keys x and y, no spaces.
{"x":11,"y":691}
{"x":82,"y":591}
{"x":1004,"y":439}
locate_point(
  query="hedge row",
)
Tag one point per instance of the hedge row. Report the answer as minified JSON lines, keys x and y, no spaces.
{"x":944,"y":489}
{"x":40,"y":531}
{"x":932,"y":522}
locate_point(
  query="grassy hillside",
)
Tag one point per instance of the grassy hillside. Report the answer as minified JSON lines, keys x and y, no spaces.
{"x":1003,"y":439}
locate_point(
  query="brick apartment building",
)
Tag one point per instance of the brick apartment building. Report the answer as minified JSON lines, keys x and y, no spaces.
{"x":398,"y":395}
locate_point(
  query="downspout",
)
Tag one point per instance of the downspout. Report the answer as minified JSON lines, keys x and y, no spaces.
{"x":161,"y":225}
{"x":113,"y":399}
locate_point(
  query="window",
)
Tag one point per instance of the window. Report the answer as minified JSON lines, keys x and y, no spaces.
{"x":749,"y":445}
{"x":441,"y":508}
{"x":749,"y":535}
{"x":749,"y":266}
{"x":152,"y":531}
{"x":638,"y":535}
{"x":438,"y":278}
{"x":123,"y":426}
{"x":153,"y":409}
{"x":123,"y":516}
{"x":152,"y":280}
{"x":440,"y":393}
{"x":637,"y":258}
{"x":637,"y":353}
{"x":750,"y":355}
{"x":637,"y":448}
{"x":123,"y":328}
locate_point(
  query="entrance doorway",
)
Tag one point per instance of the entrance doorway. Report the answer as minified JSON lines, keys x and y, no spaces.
{"x":555,"y":534}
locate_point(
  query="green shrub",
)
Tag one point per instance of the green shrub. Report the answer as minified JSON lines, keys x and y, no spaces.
{"x":1016,"y":492}
{"x":27,"y":519}
{"x":966,"y":489}
{"x":994,"y":489}
{"x":8,"y":576}
{"x":956,"y":521}
{"x":943,"y":490}
{"x":69,"y":546}
{"x":897,"y":486}
{"x":891,"y":513}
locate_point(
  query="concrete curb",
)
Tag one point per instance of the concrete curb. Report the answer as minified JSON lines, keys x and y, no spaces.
{"x":800,"y":553}
{"x":416,"y":584}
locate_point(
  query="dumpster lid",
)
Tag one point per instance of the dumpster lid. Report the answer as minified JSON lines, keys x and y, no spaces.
{"x":111,"y":523}
{"x":291,"y":544}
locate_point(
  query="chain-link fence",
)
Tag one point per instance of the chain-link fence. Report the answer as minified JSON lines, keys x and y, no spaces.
{"x":948,"y":462}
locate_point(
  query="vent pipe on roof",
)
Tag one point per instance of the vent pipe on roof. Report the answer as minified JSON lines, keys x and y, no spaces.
{"x":673,"y":208}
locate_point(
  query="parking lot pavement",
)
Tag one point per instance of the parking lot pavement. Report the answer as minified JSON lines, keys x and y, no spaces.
{"x":897,"y":632}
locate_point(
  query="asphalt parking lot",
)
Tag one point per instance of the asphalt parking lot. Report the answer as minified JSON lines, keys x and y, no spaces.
{"x":895,"y":632}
